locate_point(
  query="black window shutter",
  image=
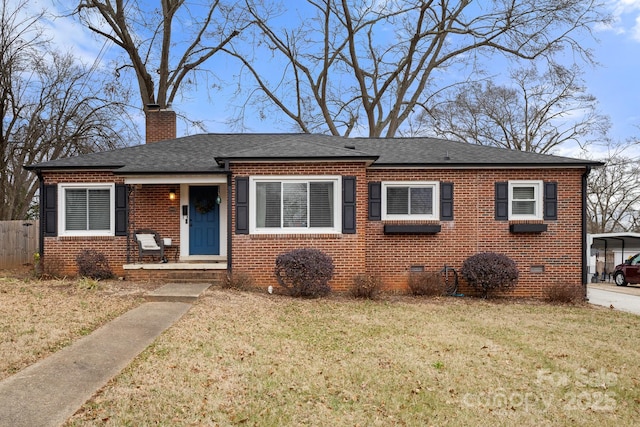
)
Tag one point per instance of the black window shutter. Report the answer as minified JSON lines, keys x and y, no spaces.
{"x":550,"y":200}
{"x":242,"y":205}
{"x":50,"y":210}
{"x":446,"y":201}
{"x":348,"y":204}
{"x":375,"y":201}
{"x":502,"y":201}
{"x":121,"y":209}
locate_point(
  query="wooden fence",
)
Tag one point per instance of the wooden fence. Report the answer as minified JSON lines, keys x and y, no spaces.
{"x":18,"y":243}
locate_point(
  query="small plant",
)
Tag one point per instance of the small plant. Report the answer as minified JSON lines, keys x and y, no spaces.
{"x":426,"y":283}
{"x":93,"y":264}
{"x":367,"y":286}
{"x":564,"y":294}
{"x":304,"y":272}
{"x":488,"y":271}
{"x":238,"y":280}
{"x":37,"y":265}
{"x":88,"y":283}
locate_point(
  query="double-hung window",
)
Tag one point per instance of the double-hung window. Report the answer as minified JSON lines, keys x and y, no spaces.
{"x":87,"y":209}
{"x":295,"y":204}
{"x":525,"y":200}
{"x":410,"y":200}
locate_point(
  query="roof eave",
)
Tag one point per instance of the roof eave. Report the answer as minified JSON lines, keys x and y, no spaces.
{"x":490,"y":165}
{"x":173,"y":172}
{"x":38,"y":167}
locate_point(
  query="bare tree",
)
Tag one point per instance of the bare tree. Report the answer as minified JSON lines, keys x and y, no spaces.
{"x":352,"y":65}
{"x":166,"y":47}
{"x":613,"y":203}
{"x":535,"y":113}
{"x":50,"y":107}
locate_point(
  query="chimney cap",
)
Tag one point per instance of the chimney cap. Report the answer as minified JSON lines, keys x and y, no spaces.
{"x":153,"y":106}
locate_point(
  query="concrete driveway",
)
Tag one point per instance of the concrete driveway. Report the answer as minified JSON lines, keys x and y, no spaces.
{"x":623,"y":298}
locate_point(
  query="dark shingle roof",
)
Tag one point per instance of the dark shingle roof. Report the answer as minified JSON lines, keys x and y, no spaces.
{"x":206,"y":153}
{"x":440,"y":152}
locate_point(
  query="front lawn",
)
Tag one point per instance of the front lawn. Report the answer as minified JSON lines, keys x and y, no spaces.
{"x":39,"y":317}
{"x":265,"y":360}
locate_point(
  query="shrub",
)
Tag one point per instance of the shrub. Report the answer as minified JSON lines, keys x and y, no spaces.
{"x":564,"y":294}
{"x":93,"y":264}
{"x":51,"y":266}
{"x":426,"y":283}
{"x":488,"y":271}
{"x":367,"y":286}
{"x":304,"y":272}
{"x":238,"y":280}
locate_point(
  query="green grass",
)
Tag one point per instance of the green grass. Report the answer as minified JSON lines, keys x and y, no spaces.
{"x":251,"y":359}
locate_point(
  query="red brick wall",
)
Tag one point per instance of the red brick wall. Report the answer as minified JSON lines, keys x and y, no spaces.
{"x":473,"y":230}
{"x":160,"y":125}
{"x":150,"y":207}
{"x":256,"y":254}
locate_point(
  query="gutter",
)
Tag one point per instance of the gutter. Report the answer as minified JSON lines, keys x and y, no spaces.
{"x":585,"y":272}
{"x":227,"y":170}
{"x":40,"y":214}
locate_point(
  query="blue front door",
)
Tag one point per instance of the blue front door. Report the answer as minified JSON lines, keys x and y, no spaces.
{"x":204,"y":221}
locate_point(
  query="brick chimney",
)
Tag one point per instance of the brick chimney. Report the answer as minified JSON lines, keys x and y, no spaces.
{"x":160,"y":123}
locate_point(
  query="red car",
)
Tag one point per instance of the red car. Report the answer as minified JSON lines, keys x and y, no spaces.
{"x":628,"y":272}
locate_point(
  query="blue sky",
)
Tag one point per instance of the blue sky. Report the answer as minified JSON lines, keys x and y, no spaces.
{"x":614,"y":82}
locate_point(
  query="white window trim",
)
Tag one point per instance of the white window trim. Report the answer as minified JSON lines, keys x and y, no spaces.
{"x":62,"y":209}
{"x":337,"y":203}
{"x":538,"y":186}
{"x":414,"y":184}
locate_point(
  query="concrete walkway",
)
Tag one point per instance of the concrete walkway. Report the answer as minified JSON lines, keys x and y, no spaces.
{"x":52,"y":390}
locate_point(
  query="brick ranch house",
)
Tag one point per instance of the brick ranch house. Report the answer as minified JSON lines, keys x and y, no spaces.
{"x":233,"y":202}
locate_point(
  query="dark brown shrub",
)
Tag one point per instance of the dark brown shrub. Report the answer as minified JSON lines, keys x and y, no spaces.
{"x":51,"y":266}
{"x":367,"y":286}
{"x":565,"y":294}
{"x":304,"y":272}
{"x":426,"y":283}
{"x":93,"y":264}
{"x":488,"y":271}
{"x":238,"y":280}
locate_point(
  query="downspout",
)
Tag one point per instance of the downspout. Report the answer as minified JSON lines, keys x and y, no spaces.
{"x":41,"y":215}
{"x":229,"y":222}
{"x":585,"y":271}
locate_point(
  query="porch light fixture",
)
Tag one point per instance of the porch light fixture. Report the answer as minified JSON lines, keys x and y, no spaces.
{"x":172,"y":194}
{"x":218,"y":199}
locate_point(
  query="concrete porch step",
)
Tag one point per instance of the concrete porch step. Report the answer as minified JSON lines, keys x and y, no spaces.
{"x":178,"y":292}
{"x":174,"y":273}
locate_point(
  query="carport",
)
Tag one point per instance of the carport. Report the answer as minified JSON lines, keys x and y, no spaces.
{"x":625,"y":243}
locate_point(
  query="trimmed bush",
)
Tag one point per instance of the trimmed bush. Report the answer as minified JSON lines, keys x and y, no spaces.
{"x":238,"y":280}
{"x":304,"y":272}
{"x":93,"y":264}
{"x":564,"y":294}
{"x":367,"y":286}
{"x":488,"y":271}
{"x":426,"y":283}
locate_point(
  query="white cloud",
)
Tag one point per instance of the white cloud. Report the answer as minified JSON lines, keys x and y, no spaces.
{"x":626,"y":18}
{"x":65,"y":32}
